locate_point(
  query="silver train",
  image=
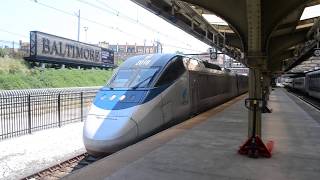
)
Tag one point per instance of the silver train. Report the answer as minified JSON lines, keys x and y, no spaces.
{"x":310,"y":84}
{"x":150,"y":91}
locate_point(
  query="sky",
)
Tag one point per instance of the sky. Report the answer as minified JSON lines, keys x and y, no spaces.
{"x":310,"y":12}
{"x":113,"y":21}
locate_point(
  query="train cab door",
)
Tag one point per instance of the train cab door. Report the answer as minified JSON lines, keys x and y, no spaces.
{"x":175,"y":98}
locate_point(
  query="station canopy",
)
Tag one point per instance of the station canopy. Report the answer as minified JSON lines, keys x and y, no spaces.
{"x":289,"y":29}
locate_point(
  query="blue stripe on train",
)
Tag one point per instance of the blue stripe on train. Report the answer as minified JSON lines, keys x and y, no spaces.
{"x":111,"y":99}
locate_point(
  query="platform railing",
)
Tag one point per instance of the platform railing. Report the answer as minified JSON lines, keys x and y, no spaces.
{"x":26,"y":111}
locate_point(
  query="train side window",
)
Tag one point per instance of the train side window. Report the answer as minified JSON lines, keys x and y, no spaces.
{"x":171,"y":73}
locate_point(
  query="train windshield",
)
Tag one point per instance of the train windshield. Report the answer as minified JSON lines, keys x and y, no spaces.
{"x":133,"y":78}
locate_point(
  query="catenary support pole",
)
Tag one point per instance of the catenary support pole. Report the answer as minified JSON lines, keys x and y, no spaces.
{"x":78,"y":15}
{"x":254,"y":93}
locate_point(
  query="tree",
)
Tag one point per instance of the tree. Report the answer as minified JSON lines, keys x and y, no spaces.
{"x":2,"y":52}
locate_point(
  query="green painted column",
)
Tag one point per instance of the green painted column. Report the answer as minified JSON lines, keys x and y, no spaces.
{"x":255,"y":91}
{"x":255,"y":60}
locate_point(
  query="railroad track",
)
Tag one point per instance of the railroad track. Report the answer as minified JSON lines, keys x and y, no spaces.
{"x":311,"y":101}
{"x":62,"y":169}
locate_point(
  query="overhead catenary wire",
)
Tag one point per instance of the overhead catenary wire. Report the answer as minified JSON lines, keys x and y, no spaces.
{"x":13,"y":33}
{"x":103,"y":25}
{"x":171,"y":45}
{"x":8,"y":42}
{"x":128,"y":18}
{"x":87,"y":19}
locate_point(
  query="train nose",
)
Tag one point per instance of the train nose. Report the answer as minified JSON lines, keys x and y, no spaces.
{"x":106,"y":135}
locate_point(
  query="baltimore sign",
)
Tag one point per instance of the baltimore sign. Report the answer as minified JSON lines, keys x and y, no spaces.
{"x":49,"y":48}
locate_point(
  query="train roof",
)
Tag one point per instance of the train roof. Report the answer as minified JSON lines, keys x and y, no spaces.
{"x":147,"y":61}
{"x":314,"y":72}
{"x":161,"y":60}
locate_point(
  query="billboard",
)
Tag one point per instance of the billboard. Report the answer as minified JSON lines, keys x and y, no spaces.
{"x":53,"y":49}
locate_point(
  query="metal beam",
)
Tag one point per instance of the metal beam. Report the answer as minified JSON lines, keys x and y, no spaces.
{"x":189,"y":20}
{"x":280,"y":10}
{"x":313,"y":30}
{"x":254,"y":60}
{"x":304,"y":53}
{"x":283,"y":42}
{"x":277,"y":61}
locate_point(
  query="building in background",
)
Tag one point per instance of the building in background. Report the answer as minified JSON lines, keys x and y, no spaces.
{"x":24,"y":48}
{"x":122,"y":52}
{"x":224,"y":62}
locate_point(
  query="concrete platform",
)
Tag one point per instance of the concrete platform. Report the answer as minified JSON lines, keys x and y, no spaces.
{"x":205,"y":147}
{"x":28,"y":154}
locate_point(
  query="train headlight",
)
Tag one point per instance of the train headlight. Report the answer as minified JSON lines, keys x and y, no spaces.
{"x":122,"y":97}
{"x":103,"y":97}
{"x":112,"y":97}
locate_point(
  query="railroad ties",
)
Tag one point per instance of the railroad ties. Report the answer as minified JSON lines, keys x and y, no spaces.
{"x":307,"y":99}
{"x":62,"y":169}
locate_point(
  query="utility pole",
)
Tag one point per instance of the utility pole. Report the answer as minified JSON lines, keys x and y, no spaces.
{"x":12,"y":48}
{"x":78,"y":15}
{"x":85,"y":30}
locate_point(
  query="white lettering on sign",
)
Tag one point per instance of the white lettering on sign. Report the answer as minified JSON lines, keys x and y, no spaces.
{"x":145,"y":61}
{"x":62,"y":49}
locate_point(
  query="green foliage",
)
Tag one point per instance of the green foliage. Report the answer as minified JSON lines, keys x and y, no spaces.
{"x":11,"y":66}
{"x":15,"y":74}
{"x":2,"y":52}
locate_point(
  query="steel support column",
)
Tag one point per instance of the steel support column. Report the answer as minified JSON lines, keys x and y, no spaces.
{"x":254,"y":60}
{"x":255,"y":92}
{"x":254,"y":146}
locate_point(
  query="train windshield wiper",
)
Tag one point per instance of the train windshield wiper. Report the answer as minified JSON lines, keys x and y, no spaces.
{"x":139,"y":83}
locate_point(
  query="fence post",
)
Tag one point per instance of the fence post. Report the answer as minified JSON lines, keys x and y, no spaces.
{"x":81,"y":102}
{"x":59,"y":110}
{"x":29,"y":113}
